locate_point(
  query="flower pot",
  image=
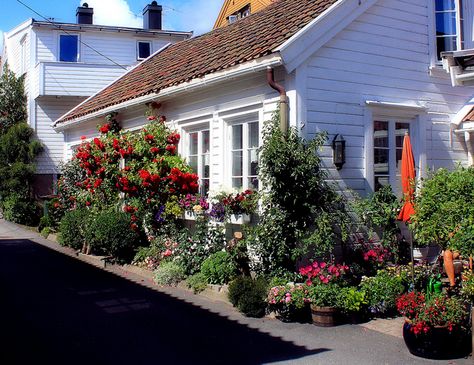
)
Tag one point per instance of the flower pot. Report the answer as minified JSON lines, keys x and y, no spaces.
{"x":287,"y":314}
{"x":449,"y":266}
{"x":324,"y":316}
{"x":240,"y":218}
{"x":438,"y":343}
{"x":428,"y":254}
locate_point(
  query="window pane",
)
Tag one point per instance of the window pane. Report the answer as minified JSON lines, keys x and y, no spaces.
{"x":400,"y":129}
{"x":381,"y":161}
{"x":399,"y":158}
{"x":237,"y":137}
{"x":381,"y":181}
{"x":445,"y":44}
{"x":445,"y":5}
{"x":205,"y":142}
{"x":253,"y":135}
{"x":68,"y":48}
{"x":193,"y":143}
{"x":193,"y":162}
{"x":204,"y":186}
{"x":205,"y":166}
{"x":237,"y":163}
{"x":446,"y":23}
{"x":253,"y":162}
{"x":380,"y":134}
{"x":144,"y":50}
{"x":237,"y":183}
{"x":253,"y":183}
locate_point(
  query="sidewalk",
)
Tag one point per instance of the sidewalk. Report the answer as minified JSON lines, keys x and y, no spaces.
{"x":376,"y":342}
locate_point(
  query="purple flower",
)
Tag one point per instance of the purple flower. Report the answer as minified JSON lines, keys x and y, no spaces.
{"x":218,"y":212}
{"x":159,"y":214}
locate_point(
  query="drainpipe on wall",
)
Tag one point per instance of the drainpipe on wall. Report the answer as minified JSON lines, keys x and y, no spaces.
{"x":283,"y":99}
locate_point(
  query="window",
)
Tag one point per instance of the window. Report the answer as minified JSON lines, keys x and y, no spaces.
{"x":199,"y":157}
{"x":244,"y":137}
{"x":143,"y":50}
{"x":388,"y":145}
{"x":68,"y":48}
{"x":449,"y":23}
{"x":242,"y":13}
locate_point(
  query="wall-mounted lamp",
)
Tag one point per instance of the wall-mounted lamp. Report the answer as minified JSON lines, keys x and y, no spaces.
{"x":339,"y":151}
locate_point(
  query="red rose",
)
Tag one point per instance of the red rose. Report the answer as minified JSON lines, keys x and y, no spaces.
{"x":151,"y":117}
{"x":171,"y":149}
{"x":105,"y":128}
{"x":155,"y":150}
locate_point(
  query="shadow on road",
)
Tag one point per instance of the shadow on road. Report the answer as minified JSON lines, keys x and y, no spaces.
{"x":57,"y":310}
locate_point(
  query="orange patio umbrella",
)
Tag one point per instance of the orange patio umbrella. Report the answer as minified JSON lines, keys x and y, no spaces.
{"x":408,"y":178}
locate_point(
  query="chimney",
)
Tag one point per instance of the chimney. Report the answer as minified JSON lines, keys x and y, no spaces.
{"x":84,"y":14}
{"x":152,"y":16}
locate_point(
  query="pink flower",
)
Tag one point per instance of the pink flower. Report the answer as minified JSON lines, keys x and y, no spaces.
{"x":322,"y":265}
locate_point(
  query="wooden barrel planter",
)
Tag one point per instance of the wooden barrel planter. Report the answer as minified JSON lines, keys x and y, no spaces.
{"x":439,"y":343}
{"x":324,"y":316}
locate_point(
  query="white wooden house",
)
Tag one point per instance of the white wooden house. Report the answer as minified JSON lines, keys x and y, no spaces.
{"x":368,"y":70}
{"x":65,"y":63}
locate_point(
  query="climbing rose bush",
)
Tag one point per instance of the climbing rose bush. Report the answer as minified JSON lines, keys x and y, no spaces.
{"x":141,"y":169}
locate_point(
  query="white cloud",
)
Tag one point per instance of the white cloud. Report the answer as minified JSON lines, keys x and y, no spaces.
{"x":185,"y":15}
{"x":114,"y":12}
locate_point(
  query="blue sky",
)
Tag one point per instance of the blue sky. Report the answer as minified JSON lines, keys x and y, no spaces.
{"x":186,"y":15}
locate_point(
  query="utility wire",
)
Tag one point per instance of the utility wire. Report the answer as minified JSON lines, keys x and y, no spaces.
{"x":65,"y":31}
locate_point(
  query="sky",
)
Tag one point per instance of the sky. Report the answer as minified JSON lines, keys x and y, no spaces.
{"x":185,"y":15}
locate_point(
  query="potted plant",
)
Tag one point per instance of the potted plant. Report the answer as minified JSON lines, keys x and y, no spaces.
{"x":324,"y":282}
{"x":435,"y":327}
{"x":442,"y":212}
{"x":290,"y":302}
{"x":353,"y":304}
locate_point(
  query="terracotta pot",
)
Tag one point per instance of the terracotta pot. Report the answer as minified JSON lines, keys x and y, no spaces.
{"x":449,"y":266}
{"x":324,"y":316}
{"x":438,"y":343}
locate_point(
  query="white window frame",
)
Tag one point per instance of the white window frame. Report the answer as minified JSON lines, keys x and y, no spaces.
{"x":415,"y":114}
{"x":199,"y":129}
{"x":138,"y":50}
{"x":78,"y":56}
{"x":244,"y":119}
{"x":461,"y":27}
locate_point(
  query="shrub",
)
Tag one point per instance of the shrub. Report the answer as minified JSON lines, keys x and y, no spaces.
{"x":382,"y":291}
{"x":45,"y":222}
{"x":45,"y":232}
{"x":20,"y":210}
{"x":169,"y":273}
{"x":110,"y":233}
{"x":218,"y":268}
{"x":197,"y":282}
{"x":249,"y":295}
{"x":72,"y":228}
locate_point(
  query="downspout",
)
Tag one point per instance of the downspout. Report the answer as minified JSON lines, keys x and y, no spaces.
{"x":283,"y":99}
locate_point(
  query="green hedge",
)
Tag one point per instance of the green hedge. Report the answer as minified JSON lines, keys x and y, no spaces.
{"x":71,"y":228}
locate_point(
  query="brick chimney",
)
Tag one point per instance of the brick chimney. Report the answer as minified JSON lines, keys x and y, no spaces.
{"x":152,"y":16}
{"x":84,"y":14}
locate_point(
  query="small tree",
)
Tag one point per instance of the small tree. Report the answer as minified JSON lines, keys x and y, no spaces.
{"x":12,"y":100}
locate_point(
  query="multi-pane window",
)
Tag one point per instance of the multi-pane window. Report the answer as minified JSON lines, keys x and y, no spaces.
{"x":388,"y":146}
{"x":68,"y":48}
{"x":199,"y":157}
{"x":143,"y":50}
{"x":244,"y":154}
{"x":449,"y":23}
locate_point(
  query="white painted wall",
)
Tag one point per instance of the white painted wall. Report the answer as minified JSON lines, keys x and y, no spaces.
{"x":384,"y":56}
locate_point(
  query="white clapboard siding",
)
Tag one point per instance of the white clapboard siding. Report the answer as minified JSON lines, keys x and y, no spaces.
{"x":69,"y":79}
{"x":383,"y":55}
{"x":48,"y":110}
{"x":46,"y":45}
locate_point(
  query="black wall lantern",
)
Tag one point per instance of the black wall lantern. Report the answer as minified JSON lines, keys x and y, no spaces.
{"x":339,"y":151}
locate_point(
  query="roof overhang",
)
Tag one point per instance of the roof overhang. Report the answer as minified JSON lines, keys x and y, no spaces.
{"x":247,"y":68}
{"x":460,"y":66}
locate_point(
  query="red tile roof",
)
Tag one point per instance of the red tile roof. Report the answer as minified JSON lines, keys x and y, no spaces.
{"x":253,"y":37}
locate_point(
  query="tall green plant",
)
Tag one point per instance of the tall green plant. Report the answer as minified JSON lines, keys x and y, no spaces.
{"x":444,"y":209}
{"x":302,"y":214}
{"x":12,"y":100}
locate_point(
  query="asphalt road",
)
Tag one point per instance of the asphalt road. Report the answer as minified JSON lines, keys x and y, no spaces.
{"x":55,"y":309}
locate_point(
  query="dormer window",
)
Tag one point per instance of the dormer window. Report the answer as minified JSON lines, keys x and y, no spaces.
{"x":242,"y":13}
{"x":143,"y":50}
{"x":449,"y":23}
{"x":68,"y":48}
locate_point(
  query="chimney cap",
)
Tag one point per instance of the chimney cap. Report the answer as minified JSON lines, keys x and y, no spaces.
{"x":85,"y":5}
{"x":154,"y":3}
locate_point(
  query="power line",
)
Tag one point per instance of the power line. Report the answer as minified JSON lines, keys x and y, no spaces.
{"x":80,"y":41}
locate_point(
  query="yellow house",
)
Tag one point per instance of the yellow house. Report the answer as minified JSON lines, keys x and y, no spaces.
{"x":233,"y":10}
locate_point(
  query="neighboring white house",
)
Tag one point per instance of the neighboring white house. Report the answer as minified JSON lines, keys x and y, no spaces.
{"x":66,"y":63}
{"x":368,"y":70}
